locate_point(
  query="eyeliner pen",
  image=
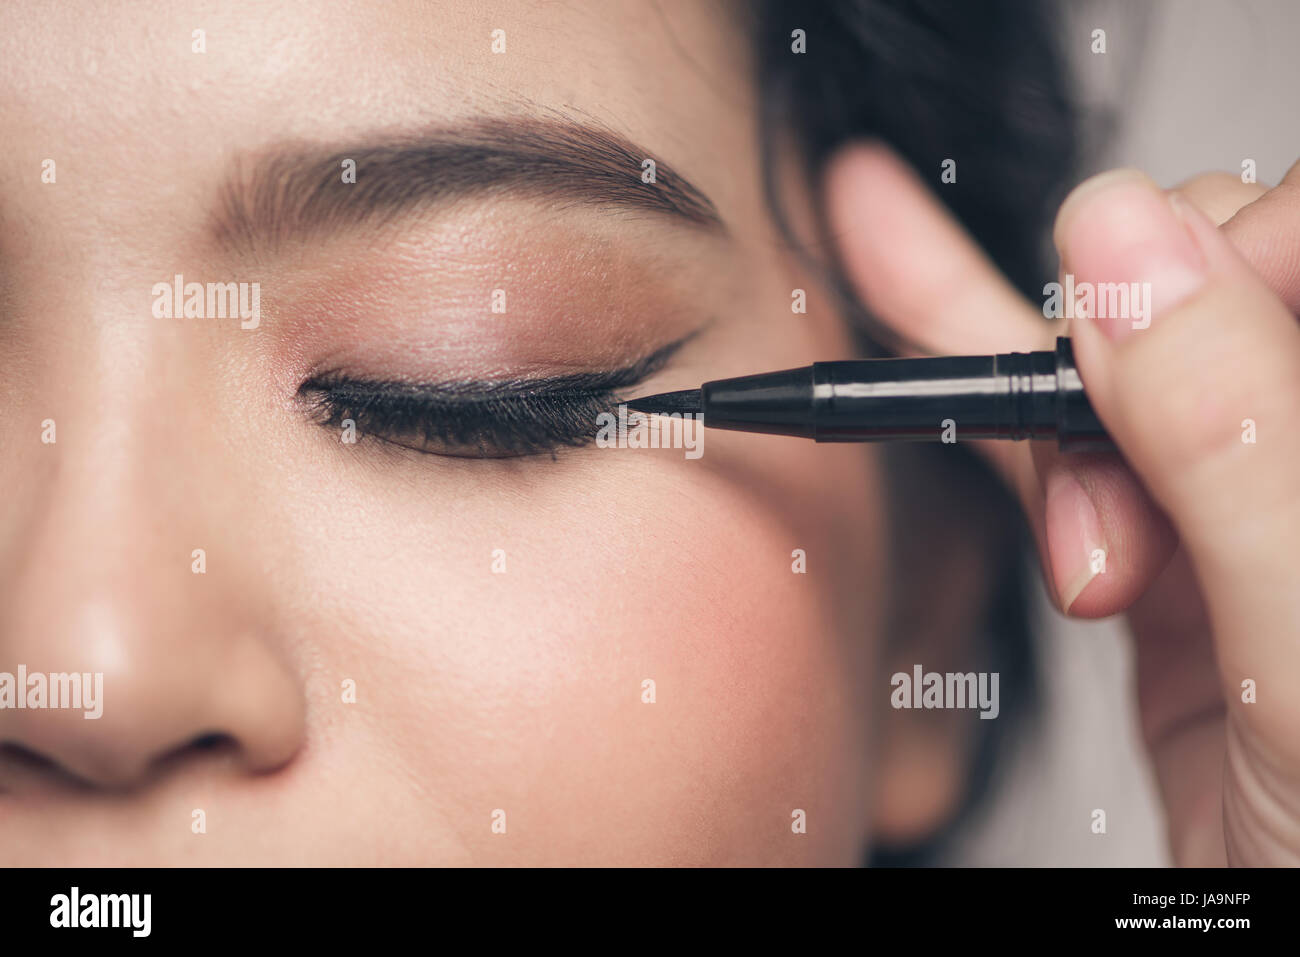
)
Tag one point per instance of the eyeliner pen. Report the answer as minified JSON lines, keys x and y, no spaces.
{"x":1015,"y":395}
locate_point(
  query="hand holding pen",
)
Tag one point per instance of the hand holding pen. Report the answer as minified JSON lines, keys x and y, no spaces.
{"x":1197,"y":521}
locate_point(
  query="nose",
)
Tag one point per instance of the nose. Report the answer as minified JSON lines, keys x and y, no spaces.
{"x":98,"y":580}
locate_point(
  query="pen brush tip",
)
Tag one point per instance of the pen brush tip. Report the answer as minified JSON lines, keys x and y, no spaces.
{"x":687,"y":402}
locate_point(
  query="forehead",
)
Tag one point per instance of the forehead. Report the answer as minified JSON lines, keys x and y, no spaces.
{"x":121,"y":84}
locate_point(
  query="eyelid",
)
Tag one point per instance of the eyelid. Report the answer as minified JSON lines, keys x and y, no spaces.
{"x":480,"y":425}
{"x":484,"y":419}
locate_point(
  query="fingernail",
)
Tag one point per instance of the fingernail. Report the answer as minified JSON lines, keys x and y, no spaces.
{"x":1089,"y":187}
{"x":1074,"y":540}
{"x":1125,"y":242}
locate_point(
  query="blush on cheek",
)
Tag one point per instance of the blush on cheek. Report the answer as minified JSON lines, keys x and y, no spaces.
{"x":525,"y":689}
{"x":666,"y":689}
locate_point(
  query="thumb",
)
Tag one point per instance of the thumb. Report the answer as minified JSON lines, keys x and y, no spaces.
{"x":1202,"y":394}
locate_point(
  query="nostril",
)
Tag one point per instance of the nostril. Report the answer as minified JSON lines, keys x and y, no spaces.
{"x":21,"y":766}
{"x":206,"y":747}
{"x":25,"y":757}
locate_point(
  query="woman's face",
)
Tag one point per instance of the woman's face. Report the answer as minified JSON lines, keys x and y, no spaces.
{"x":357,"y":652}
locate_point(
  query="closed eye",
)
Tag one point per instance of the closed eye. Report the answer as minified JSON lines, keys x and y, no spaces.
{"x":500,"y":418}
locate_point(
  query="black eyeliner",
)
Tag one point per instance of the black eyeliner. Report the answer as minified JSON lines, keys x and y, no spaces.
{"x":492,"y":418}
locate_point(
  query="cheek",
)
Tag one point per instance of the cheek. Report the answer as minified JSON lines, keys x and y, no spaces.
{"x":522,"y":679}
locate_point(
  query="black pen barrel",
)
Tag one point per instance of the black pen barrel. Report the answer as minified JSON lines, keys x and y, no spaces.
{"x":1033,"y":395}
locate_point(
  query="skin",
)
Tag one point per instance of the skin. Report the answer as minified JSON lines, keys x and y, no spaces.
{"x":328,"y":562}
{"x":522,"y":691}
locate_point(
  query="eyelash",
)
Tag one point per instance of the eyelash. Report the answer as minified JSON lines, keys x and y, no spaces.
{"x":502,"y":420}
{"x":506,"y":418}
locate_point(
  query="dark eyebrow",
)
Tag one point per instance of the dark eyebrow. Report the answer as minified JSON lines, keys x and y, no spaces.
{"x":295,"y":191}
